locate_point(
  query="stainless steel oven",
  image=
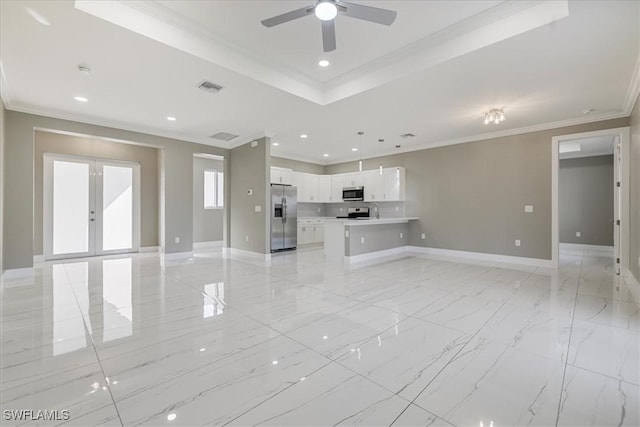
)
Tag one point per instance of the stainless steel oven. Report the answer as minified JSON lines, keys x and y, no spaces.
{"x":353,"y":194}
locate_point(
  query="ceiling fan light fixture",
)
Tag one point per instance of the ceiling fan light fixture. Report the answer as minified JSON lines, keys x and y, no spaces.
{"x":326,"y":10}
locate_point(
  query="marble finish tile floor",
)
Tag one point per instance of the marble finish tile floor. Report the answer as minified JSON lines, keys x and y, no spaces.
{"x":412,"y":341}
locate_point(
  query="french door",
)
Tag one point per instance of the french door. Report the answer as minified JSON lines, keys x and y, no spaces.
{"x":90,"y":206}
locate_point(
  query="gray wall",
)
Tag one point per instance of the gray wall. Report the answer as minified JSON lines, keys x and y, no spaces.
{"x":249,"y":168}
{"x":376,"y":238}
{"x":176,"y":169}
{"x":471,"y":197}
{"x":585,"y":200}
{"x":2,"y":180}
{"x":48,"y":142}
{"x":298,"y":166}
{"x":207,"y":223}
{"x":634,"y":189}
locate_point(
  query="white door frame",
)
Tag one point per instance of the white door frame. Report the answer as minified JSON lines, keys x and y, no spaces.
{"x":624,"y":134}
{"x":94,"y":239}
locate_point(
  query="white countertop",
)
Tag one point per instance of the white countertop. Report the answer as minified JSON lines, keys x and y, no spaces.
{"x":359,"y":222}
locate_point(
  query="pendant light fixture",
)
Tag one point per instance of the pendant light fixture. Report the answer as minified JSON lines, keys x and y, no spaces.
{"x":495,"y":115}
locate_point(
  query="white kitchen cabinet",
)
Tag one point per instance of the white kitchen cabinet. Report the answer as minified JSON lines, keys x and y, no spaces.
{"x":394,"y":184}
{"x":310,"y":188}
{"x":373,"y":186}
{"x":281,"y":175}
{"x":355,"y":179}
{"x":310,"y":231}
{"x":337,"y":184}
{"x":324,"y":189}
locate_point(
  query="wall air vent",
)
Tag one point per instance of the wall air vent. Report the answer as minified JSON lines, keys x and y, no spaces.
{"x":209,"y":87}
{"x":223,"y":136}
{"x":407,"y":135}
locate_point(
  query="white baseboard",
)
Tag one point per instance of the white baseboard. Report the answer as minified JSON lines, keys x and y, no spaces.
{"x":241,"y":253}
{"x":18,"y":273}
{"x":401,"y":250}
{"x":213,"y":244}
{"x":149,"y":249}
{"x":177,"y":255}
{"x":479,"y":256}
{"x":574,"y":247}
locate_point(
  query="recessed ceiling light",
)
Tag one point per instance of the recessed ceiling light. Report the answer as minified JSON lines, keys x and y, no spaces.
{"x":304,"y":136}
{"x":323,"y":63}
{"x":275,"y":144}
{"x":80,"y":99}
{"x":354,"y":149}
{"x":171,"y":118}
{"x":38,"y":17}
{"x":325,"y":155}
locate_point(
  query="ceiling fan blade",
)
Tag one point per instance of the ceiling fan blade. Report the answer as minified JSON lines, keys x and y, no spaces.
{"x":368,"y":13}
{"x":286,"y":17}
{"x":328,"y":35}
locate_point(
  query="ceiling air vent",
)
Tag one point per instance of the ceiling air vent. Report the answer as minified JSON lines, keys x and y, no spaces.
{"x":223,"y":136}
{"x":209,"y":87}
{"x":407,"y":135}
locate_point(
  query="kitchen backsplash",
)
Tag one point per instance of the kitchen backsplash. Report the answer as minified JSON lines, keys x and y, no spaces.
{"x":311,"y":209}
{"x":387,"y":209}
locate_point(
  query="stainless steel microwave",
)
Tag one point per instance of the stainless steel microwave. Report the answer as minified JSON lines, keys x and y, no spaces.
{"x":353,"y":194}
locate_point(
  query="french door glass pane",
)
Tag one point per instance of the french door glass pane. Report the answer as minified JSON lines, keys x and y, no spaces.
{"x":117,"y":207}
{"x":70,"y":207}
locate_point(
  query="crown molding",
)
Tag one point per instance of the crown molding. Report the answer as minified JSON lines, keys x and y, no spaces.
{"x":492,"y":135}
{"x":159,"y":22}
{"x":28,"y":109}
{"x":634,"y":89}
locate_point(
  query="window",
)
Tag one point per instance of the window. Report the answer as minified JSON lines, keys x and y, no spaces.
{"x":213,"y":189}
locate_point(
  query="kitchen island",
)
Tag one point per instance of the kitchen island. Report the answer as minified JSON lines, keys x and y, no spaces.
{"x":354,"y":240}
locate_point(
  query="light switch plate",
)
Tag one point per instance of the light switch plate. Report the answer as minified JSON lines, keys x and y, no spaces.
{"x":578,"y":234}
{"x":362,"y":240}
{"x":176,"y":240}
{"x":258,"y":208}
{"x":423,"y":236}
{"x":517,"y":242}
{"x":401,"y":235}
{"x":346,"y":233}
{"x":528,"y":208}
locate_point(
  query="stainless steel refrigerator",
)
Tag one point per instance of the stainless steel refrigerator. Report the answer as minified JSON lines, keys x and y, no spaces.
{"x":284,"y":217}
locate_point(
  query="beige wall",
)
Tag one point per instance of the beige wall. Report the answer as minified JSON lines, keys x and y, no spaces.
{"x":207,"y":223}
{"x":634,"y":189}
{"x":585,"y":200}
{"x":298,"y":165}
{"x":249,"y":169}
{"x":146,"y":157}
{"x":175,"y":165}
{"x":471,"y":197}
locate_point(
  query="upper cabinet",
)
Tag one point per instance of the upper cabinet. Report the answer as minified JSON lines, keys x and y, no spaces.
{"x":281,"y":176}
{"x":386,"y":185}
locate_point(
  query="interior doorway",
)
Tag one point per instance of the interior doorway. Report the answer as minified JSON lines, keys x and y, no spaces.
{"x":590,"y":194}
{"x":91,"y":206}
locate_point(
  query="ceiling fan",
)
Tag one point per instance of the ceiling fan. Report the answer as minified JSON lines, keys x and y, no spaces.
{"x":327,"y":10}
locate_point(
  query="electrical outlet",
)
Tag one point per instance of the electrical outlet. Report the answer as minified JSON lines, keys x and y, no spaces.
{"x":577,"y":234}
{"x":401,"y":235}
{"x":397,"y":209}
{"x":246,"y":238}
{"x":176,"y":240}
{"x":517,"y":242}
{"x":423,"y":236}
{"x":528,"y":208}
{"x":258,"y":208}
{"x":362,"y":240}
{"x":318,"y":210}
{"x":346,"y":233}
